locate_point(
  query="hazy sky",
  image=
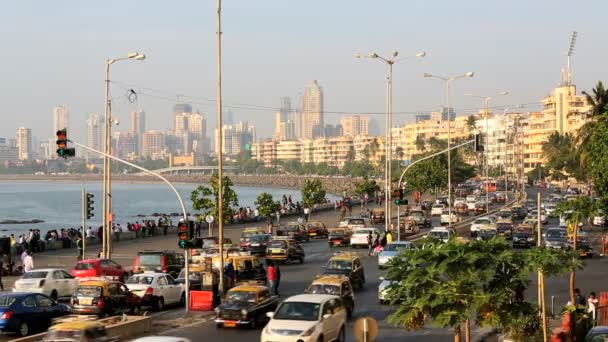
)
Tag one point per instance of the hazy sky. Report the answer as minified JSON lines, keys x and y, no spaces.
{"x":53,"y":52}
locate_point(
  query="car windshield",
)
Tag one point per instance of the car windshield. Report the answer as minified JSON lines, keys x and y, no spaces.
{"x":336,"y":233}
{"x":522,"y":235}
{"x":245,"y":235}
{"x":241,"y":296}
{"x":34,"y":275}
{"x":334,"y":264}
{"x":482,"y":221}
{"x":258,"y":238}
{"x":298,"y":311}
{"x":149,"y":259}
{"x":416,"y":214}
{"x":439,"y":235}
{"x":362,"y":231}
{"x":85,"y":266}
{"x":397,"y":247}
{"x":6,"y":301}
{"x":324,"y":289}
{"x":556,"y":233}
{"x":88,"y":291}
{"x":143,"y":280}
{"x":277,"y":244}
{"x":356,"y":221}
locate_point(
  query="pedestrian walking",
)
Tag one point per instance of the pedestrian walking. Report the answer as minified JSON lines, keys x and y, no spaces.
{"x":389,"y":237}
{"x":197,"y":227}
{"x":592,"y":303}
{"x":28,"y":262}
{"x":370,"y":245}
{"x":271,"y":274}
{"x":306,"y":213}
{"x":79,"y":245}
{"x":229,"y":274}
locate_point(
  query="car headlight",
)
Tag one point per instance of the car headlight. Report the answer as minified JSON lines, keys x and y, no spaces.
{"x":310,"y":331}
{"x":244,"y":313}
{"x":530,"y":239}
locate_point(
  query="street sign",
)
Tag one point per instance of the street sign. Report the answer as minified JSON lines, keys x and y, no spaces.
{"x":365,"y":329}
{"x":209,"y":219}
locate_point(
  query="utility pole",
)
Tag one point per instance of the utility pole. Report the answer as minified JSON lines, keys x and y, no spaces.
{"x":220,"y":209}
{"x":84,"y":221}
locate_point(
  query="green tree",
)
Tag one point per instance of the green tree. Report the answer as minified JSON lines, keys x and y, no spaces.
{"x":471,"y":124}
{"x":537,"y":174}
{"x":562,"y":156}
{"x":400,"y":152}
{"x":420,"y":143}
{"x":366,"y":186}
{"x":312,"y":192}
{"x":427,"y":174}
{"x":266,"y":205}
{"x":206,"y":199}
{"x":350,"y":155}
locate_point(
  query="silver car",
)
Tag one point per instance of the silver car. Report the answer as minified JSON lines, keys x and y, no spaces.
{"x":392,"y":250}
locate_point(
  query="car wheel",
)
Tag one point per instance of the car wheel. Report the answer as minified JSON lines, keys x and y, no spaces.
{"x":182,"y":299}
{"x":253,"y":324}
{"x":160,"y":304}
{"x":135,"y":310}
{"x":53,"y":295}
{"x":341,"y":335}
{"x":24,"y":329}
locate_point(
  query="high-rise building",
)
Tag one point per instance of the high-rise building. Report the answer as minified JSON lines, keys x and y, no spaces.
{"x":24,"y":143}
{"x":228,"y":117}
{"x":126,"y":145}
{"x":332,"y":130}
{"x":94,"y":134}
{"x":61,"y":118}
{"x":153,"y":145}
{"x":235,"y":137}
{"x":138,"y":127}
{"x":312,"y":111}
{"x":448,"y":113}
{"x":180,"y":108}
{"x":355,"y":125}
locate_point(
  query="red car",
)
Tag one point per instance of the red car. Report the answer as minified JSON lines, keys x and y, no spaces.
{"x":99,"y":268}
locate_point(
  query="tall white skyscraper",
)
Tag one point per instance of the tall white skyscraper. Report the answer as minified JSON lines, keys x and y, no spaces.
{"x":94,"y":133}
{"x":138,"y":127}
{"x":61,"y":118}
{"x":312,"y":111}
{"x":24,"y":142}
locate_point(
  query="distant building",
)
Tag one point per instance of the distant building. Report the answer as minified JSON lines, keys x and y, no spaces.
{"x":24,"y":143}
{"x":153,"y":145}
{"x":94,"y":134}
{"x":332,"y":131}
{"x":61,"y":118}
{"x":355,"y":125}
{"x":423,"y":117}
{"x":284,"y":121}
{"x":138,"y":127}
{"x":235,"y":138}
{"x":180,"y":108}
{"x":127,"y":144}
{"x":312,"y":111}
{"x":8,"y":153}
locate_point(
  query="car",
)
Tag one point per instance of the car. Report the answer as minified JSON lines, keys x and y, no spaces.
{"x":307,"y":318}
{"x":25,"y":312}
{"x":156,"y":290}
{"x":461,"y":208}
{"x":519,"y":212}
{"x":248,"y":268}
{"x":437,"y":209}
{"x":480,"y":207}
{"x":531,"y":205}
{"x":505,"y":214}
{"x":420,"y":217}
{"x":196,"y":273}
{"x":338,"y":237}
{"x":316,"y":229}
{"x":79,"y":331}
{"x":441,"y":233}
{"x":245,"y":305}
{"x":385,"y":282}
{"x":460,"y":200}
{"x":543,"y":216}
{"x":524,"y":238}
{"x":53,"y":282}
{"x":359,"y":237}
{"x":104,"y":297}
{"x":294,"y":230}
{"x":337,"y":285}
{"x":408,"y":227}
{"x":161,"y":339}
{"x":392,"y":250}
{"x":448,"y":217}
{"x":504,"y":229}
{"x":471,"y":204}
{"x":442,"y":200}
{"x":487,"y":233}
{"x":99,"y":268}
{"x":377,"y":216}
{"x":471,"y":198}
{"x":551,"y":210}
{"x":597,"y":334}
{"x":346,"y":264}
{"x":598,"y":219}
{"x":204,"y":245}
{"x":583,"y":246}
{"x":358,"y":222}
{"x":501,"y":197}
{"x":479,"y":224}
{"x":531,"y":221}
{"x":556,"y":238}
{"x":168,"y":262}
{"x":284,"y":250}
{"x":247,"y":233}
{"x":256,"y":244}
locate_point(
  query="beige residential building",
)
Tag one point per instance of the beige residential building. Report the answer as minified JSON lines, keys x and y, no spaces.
{"x":24,"y":143}
{"x":153,"y":145}
{"x":61,"y":117}
{"x":289,"y":150}
{"x":312,"y":111}
{"x":355,"y":125}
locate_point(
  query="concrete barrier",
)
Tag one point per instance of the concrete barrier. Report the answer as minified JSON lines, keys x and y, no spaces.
{"x":115,"y":326}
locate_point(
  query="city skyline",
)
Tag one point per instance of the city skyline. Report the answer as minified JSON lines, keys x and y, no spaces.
{"x":504,"y":56}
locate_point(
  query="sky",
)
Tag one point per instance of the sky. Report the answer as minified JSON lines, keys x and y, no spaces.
{"x":53,"y":52}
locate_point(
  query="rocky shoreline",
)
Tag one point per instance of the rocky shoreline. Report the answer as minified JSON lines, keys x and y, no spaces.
{"x":334,"y":185}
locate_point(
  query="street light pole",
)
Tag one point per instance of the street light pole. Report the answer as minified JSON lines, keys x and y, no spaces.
{"x":220,"y":185}
{"x":448,"y":90}
{"x":107,"y":165}
{"x":388,"y":140}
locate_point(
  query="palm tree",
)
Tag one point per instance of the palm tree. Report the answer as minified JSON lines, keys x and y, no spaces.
{"x":599,"y":111}
{"x":420,"y":143}
{"x":400,"y":152}
{"x":599,"y":100}
{"x":471,"y":121}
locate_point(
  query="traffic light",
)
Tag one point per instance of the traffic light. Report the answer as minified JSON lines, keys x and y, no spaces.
{"x":478,"y":147}
{"x":183,"y":233}
{"x":62,"y":144}
{"x":398,"y":196}
{"x":90,"y":206}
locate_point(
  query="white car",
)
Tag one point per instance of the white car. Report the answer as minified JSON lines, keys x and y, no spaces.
{"x":307,"y":317}
{"x":544,"y":219}
{"x":53,"y":282}
{"x":156,"y":289}
{"x":383,"y":289}
{"x":359,"y":237}
{"x":550,"y":209}
{"x":598,"y":220}
{"x":449,"y":218}
{"x":460,"y":200}
{"x":471,"y":198}
{"x":481,"y":223}
{"x":441,"y":233}
{"x":437,"y":209}
{"x":392,"y":250}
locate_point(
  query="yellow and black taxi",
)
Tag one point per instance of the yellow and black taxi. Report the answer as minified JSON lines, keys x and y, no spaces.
{"x":284,"y":250}
{"x":85,"y":331}
{"x":316,"y":229}
{"x":337,"y":285}
{"x":246,"y":267}
{"x":346,"y":264}
{"x":104,"y":297}
{"x":339,"y":237}
{"x":377,"y":216}
{"x":583,"y":246}
{"x":245,"y":305}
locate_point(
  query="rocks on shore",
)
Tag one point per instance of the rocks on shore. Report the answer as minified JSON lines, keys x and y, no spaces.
{"x":20,"y":221}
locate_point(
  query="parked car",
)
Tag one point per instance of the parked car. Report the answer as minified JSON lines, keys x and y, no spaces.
{"x":156,"y":290}
{"x":25,"y":312}
{"x":346,"y":264}
{"x":104,"y":298}
{"x":392,"y":250}
{"x":377,"y":216}
{"x":316,"y":229}
{"x":168,"y":262}
{"x":294,"y":230}
{"x":245,"y":305}
{"x":285,"y":250}
{"x":256,"y":244}
{"x":99,"y":268}
{"x":53,"y":282}
{"x":307,"y":318}
{"x":337,"y":285}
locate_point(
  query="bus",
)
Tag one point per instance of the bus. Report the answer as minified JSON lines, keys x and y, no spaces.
{"x":490,"y":185}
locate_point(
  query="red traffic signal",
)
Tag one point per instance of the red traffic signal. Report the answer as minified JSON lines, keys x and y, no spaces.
{"x":183,"y":233}
{"x":62,"y":144}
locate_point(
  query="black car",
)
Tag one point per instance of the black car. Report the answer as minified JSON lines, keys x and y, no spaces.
{"x":523,"y":239}
{"x":284,"y":250}
{"x":257,"y":244}
{"x":245,"y":305}
{"x":295,"y":231}
{"x":25,"y":313}
{"x":349,"y":266}
{"x":505,"y":229}
{"x":338,"y":238}
{"x":519,"y":212}
{"x":486,"y":234}
{"x":169,"y":262}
